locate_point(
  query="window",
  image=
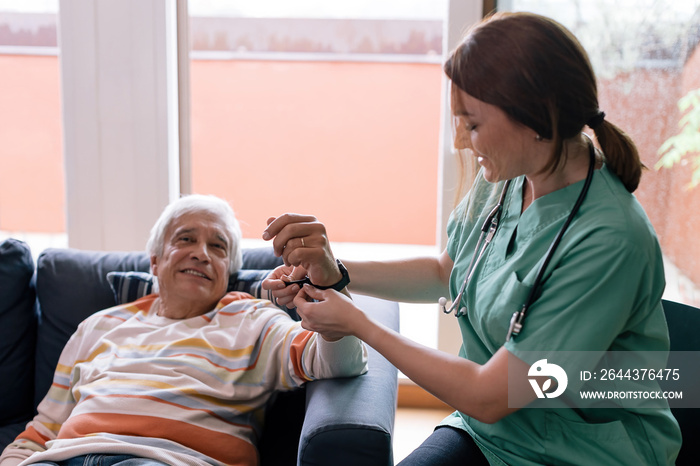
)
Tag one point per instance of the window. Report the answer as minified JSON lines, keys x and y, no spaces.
{"x":32,"y":201}
{"x":646,"y":56}
{"x":348,"y":106}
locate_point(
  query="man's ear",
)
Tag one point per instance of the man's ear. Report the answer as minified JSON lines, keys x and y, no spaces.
{"x":154,"y":265}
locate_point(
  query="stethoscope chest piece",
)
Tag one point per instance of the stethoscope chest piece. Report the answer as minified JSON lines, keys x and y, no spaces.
{"x":516,"y":323}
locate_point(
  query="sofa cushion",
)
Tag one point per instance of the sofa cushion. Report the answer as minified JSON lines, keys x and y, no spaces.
{"x":130,"y":286}
{"x":17,"y":332}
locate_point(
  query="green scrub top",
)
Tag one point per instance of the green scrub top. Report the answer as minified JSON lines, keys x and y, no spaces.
{"x":601,"y":291}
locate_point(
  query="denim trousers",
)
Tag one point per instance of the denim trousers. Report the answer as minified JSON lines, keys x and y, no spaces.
{"x":446,"y":446}
{"x":104,"y":460}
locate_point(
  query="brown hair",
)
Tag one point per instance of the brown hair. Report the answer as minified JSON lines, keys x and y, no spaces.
{"x":537,"y":72}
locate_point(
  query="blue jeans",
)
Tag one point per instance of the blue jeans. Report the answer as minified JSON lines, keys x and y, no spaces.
{"x":447,"y":446}
{"x":104,"y":460}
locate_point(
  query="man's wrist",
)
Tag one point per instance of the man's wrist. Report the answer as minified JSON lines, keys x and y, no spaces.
{"x":340,"y":284}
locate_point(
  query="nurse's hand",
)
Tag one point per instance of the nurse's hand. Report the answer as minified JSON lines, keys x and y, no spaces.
{"x":327,"y":312}
{"x":301,"y":241}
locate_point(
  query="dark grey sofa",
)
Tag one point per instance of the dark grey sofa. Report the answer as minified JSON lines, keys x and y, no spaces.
{"x":339,"y":422}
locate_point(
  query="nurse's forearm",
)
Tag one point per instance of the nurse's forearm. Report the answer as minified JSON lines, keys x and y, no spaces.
{"x":480,"y":391}
{"x":420,"y":279}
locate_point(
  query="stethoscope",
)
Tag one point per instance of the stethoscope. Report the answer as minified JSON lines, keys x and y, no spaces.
{"x":488,"y":231}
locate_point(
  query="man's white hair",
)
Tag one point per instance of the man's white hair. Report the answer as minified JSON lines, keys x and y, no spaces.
{"x":192,"y":204}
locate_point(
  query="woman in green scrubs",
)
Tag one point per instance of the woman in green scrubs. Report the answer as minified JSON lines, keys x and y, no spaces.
{"x":523,"y":90}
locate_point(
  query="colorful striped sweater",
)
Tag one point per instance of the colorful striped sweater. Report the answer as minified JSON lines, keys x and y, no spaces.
{"x":188,"y":392}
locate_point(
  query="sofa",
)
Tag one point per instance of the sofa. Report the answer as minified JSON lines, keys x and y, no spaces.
{"x":345,"y":421}
{"x":683,"y":324}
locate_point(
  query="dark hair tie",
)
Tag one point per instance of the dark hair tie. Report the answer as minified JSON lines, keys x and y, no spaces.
{"x":596,"y":120}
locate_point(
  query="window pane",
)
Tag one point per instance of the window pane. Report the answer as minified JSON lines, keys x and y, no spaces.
{"x":646,"y":56}
{"x":337,"y":117}
{"x":32,"y":200}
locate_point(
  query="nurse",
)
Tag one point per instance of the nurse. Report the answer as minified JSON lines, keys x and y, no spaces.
{"x":523,"y":91}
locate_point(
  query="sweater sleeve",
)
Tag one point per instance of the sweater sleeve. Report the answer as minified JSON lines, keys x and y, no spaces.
{"x":346,"y":357}
{"x":305,"y":356}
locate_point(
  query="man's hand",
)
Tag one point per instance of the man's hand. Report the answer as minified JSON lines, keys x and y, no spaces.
{"x":278,"y":284}
{"x":301,"y":241}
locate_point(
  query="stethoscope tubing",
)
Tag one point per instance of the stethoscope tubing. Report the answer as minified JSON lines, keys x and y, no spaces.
{"x":488,"y":231}
{"x":552,"y":247}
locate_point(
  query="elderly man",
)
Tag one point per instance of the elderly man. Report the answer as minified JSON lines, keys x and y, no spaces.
{"x":181,"y":376}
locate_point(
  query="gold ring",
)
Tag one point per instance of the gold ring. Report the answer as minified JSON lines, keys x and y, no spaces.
{"x":302,"y":243}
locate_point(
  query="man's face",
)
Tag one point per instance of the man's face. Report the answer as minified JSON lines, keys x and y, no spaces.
{"x":193,"y":268}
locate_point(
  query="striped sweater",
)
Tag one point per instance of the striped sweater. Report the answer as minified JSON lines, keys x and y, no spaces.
{"x":188,"y":392}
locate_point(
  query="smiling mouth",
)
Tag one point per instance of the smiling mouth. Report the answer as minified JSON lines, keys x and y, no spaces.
{"x":196,"y":273}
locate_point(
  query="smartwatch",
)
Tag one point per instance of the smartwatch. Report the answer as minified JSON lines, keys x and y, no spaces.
{"x":344,"y":280}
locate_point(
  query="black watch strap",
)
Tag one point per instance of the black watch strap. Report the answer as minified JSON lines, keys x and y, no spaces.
{"x":344,"y":281}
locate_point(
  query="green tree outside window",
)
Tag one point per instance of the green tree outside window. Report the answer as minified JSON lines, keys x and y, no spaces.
{"x":684,"y":147}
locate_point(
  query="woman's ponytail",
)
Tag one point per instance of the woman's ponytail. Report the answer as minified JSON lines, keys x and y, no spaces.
{"x":621,"y":154}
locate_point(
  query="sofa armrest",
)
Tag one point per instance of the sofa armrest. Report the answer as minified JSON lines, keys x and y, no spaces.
{"x":351,"y":420}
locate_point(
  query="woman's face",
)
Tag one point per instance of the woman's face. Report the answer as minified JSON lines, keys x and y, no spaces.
{"x":504,"y":148}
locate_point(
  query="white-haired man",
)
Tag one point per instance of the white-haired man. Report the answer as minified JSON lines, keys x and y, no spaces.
{"x":181,"y":376}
